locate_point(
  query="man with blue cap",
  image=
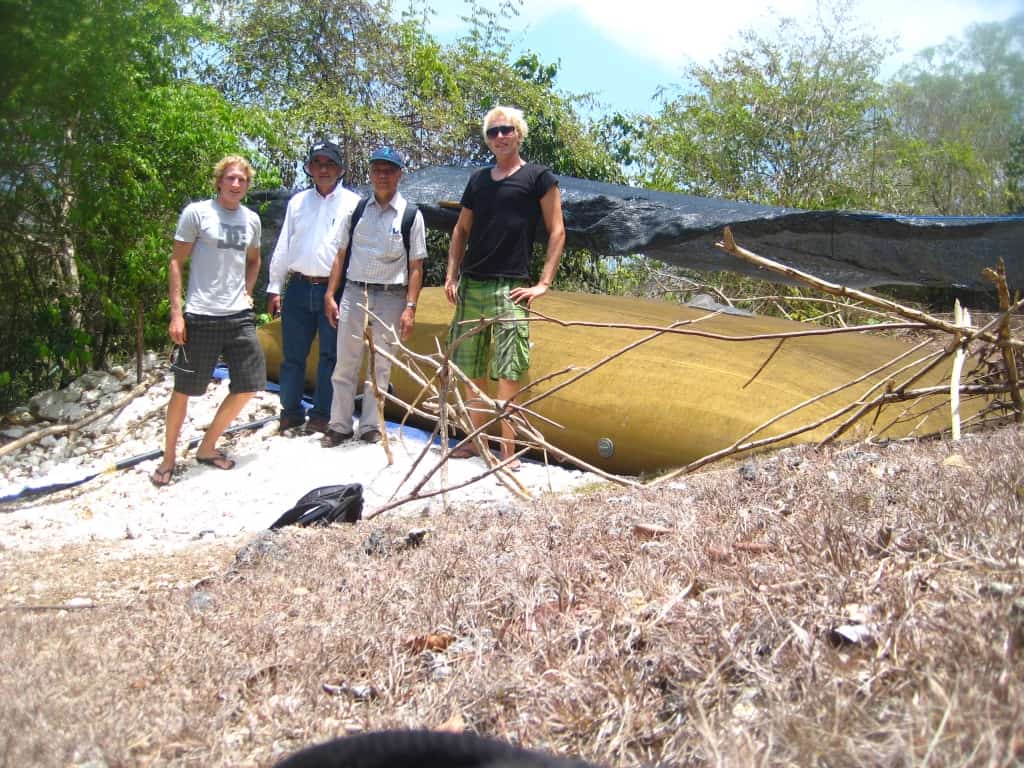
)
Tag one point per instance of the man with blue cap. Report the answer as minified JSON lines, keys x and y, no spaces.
{"x":303,"y":257}
{"x":379,"y":252}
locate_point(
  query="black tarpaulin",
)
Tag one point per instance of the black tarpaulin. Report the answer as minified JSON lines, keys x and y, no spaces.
{"x":854,"y":248}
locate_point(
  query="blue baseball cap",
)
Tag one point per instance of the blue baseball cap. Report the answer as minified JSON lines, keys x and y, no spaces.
{"x":388,"y":155}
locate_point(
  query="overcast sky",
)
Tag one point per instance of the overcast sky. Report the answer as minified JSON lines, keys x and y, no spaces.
{"x":624,"y":49}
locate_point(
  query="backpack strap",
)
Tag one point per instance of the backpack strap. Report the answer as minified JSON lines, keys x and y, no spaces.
{"x":408,"y":219}
{"x":357,"y":214}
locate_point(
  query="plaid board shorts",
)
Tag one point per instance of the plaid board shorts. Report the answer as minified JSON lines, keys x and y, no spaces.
{"x":510,"y":334}
{"x":207,"y":338}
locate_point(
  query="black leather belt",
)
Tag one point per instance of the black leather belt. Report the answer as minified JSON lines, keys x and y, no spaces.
{"x":311,"y":279}
{"x":380,"y":286}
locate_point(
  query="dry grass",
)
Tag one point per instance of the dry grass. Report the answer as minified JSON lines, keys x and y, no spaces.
{"x":705,"y":636}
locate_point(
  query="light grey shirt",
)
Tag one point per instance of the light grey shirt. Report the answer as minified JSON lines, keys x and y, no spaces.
{"x":216,"y":272}
{"x":378,"y":253}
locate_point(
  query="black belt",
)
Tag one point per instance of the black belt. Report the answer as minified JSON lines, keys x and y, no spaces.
{"x":381,"y":286}
{"x":311,"y":279}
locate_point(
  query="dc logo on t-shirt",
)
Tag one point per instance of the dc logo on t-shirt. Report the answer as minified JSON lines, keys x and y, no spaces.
{"x":232,"y":236}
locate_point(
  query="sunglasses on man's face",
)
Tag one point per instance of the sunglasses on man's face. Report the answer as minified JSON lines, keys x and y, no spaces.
{"x":504,"y":130}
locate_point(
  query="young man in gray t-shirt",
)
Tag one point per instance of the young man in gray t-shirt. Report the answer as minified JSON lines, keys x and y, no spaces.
{"x":222,"y":239}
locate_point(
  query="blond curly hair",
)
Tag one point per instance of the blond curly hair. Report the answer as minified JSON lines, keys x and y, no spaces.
{"x":508,"y":116}
{"x":226,"y":162}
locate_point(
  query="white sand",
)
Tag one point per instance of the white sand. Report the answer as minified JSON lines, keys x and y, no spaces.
{"x":205,"y":504}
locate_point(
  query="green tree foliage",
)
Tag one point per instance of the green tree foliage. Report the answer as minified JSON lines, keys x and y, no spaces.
{"x":622,"y":134}
{"x":323,"y":68}
{"x":956,"y":112}
{"x":102,"y":145}
{"x":1015,"y":175}
{"x":348,"y":70}
{"x":784,"y":119}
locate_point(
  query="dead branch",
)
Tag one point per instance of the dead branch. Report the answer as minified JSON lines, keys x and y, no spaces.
{"x":764,"y":364}
{"x":998,"y":276}
{"x":728,"y":244}
{"x":435,"y":375}
{"x":417,"y":495}
{"x":745,"y":443}
{"x":59,"y":429}
{"x":679,"y":328}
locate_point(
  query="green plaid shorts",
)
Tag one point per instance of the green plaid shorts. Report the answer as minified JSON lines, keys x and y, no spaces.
{"x":488,"y":299}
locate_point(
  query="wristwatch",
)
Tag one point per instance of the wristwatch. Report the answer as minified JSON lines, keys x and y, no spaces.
{"x":410,"y":305}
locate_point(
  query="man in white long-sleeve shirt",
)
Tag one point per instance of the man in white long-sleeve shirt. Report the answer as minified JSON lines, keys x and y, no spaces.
{"x":303,"y":257}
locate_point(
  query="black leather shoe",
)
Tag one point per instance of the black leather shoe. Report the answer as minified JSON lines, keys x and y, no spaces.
{"x":289,"y":422}
{"x":333,"y":438}
{"x":370,"y":436}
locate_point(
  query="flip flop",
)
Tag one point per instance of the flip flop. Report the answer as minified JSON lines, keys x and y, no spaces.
{"x":513,"y":466}
{"x":161,"y":477}
{"x":464,"y":451}
{"x":218,"y":460}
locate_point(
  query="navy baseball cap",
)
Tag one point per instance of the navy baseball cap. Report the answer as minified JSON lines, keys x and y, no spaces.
{"x":325,"y":149}
{"x":388,"y":155}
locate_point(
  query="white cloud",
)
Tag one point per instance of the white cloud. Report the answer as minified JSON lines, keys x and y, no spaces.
{"x":671,"y":34}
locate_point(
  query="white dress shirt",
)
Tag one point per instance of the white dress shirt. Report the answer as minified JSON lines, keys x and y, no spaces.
{"x":304,"y":245}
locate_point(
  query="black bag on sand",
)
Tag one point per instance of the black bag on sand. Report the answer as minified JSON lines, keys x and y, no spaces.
{"x":325,"y":505}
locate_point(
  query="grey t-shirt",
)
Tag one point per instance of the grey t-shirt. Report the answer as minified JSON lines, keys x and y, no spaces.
{"x":221,"y":237}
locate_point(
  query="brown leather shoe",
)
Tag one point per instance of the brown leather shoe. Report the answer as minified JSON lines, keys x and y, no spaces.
{"x":333,"y":438}
{"x":317,"y":424}
{"x":370,"y":436}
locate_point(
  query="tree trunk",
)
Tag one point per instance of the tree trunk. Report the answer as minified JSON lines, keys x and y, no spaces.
{"x":66,"y":273}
